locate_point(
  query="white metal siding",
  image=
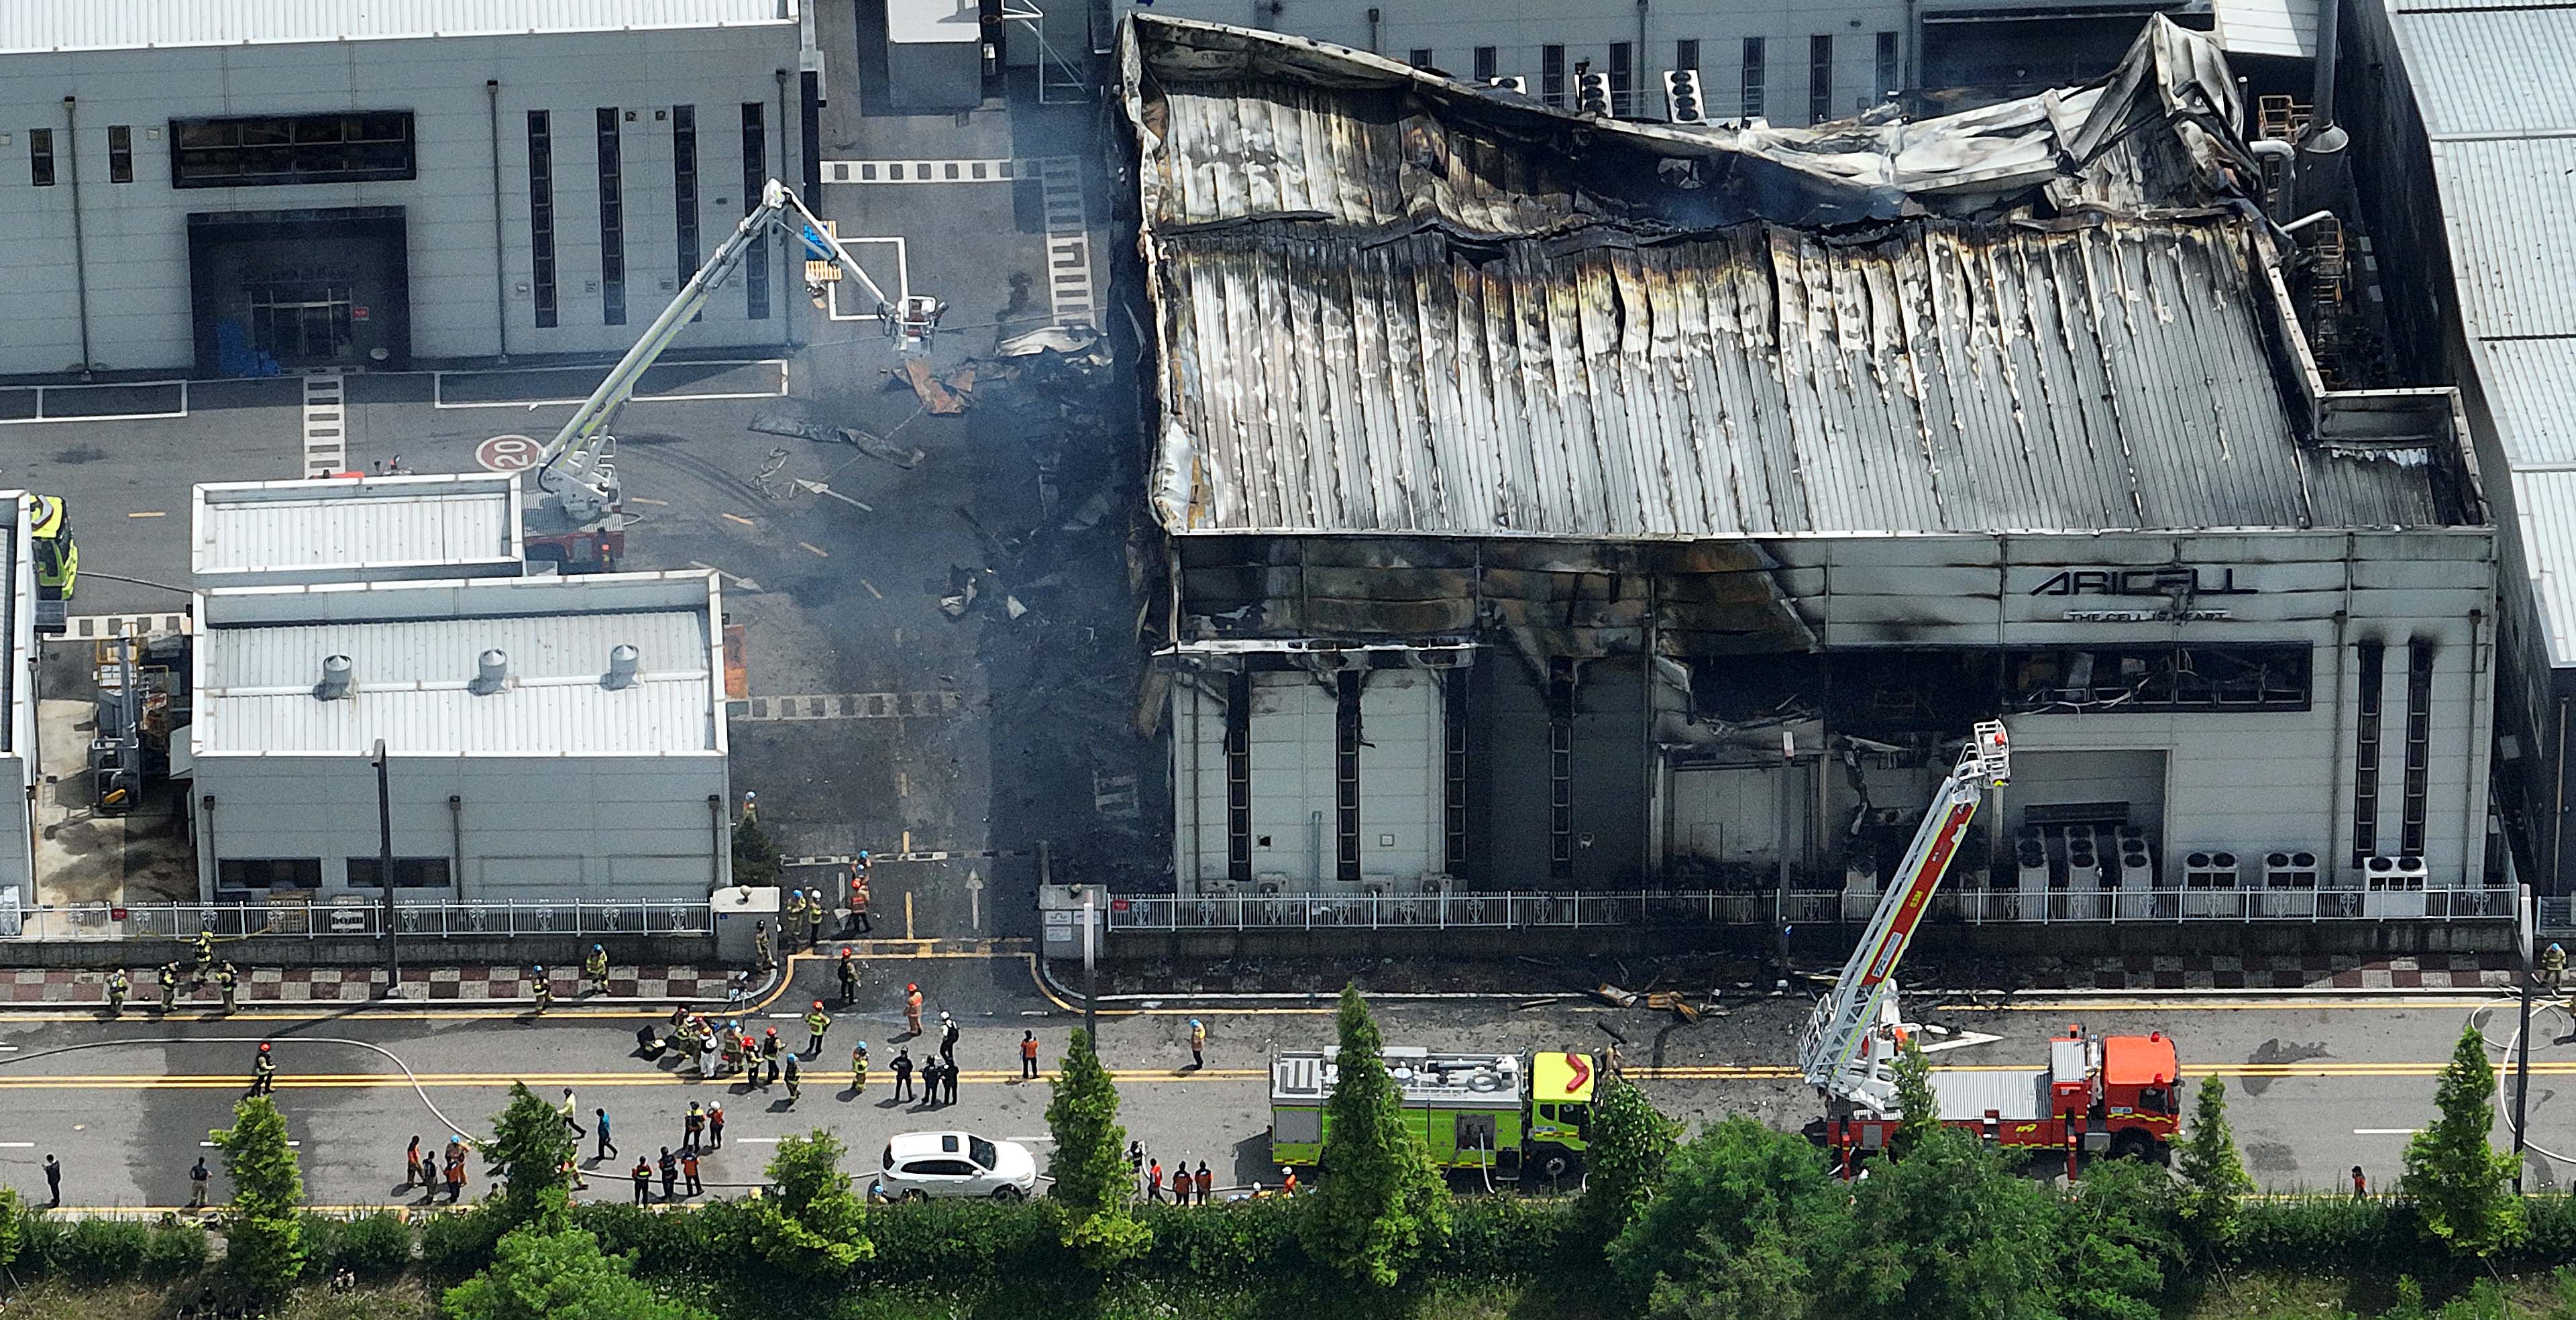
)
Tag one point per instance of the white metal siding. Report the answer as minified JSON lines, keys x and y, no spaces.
{"x":356,"y":530}
{"x":28,"y":26}
{"x":1292,"y":776}
{"x":1400,"y":780}
{"x":1198,"y":785}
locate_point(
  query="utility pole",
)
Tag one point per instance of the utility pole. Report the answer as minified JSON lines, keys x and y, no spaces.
{"x":2524,"y":924}
{"x":385,"y":871}
{"x":1788,"y":808}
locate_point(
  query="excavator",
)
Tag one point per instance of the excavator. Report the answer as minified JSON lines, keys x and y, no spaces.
{"x":2096,"y":1094}
{"x":579,"y":522}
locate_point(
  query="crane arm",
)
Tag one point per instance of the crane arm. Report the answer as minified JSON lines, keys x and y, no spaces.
{"x":1831,"y":1052}
{"x":573,"y":466}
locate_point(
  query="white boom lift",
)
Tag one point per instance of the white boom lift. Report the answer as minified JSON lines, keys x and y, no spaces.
{"x":1849,"y":1044}
{"x":579,"y":523}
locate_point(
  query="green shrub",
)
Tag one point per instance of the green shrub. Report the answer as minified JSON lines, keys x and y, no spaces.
{"x":945,"y":1240}
{"x":2552,"y":1222}
{"x":40,"y":1244}
{"x":458,"y":1243}
{"x":104,"y":1250}
{"x":2325,"y":1232}
{"x":372,"y":1245}
{"x":1506,"y":1237}
{"x":1241,"y":1241}
{"x":174,"y":1250}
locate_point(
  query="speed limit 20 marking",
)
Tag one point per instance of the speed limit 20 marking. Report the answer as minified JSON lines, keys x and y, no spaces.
{"x":508,"y":453}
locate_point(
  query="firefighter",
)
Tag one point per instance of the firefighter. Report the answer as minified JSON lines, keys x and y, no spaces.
{"x":263,"y":1072}
{"x":769,"y":1050}
{"x":859,"y":1069}
{"x":860,"y":922}
{"x":228,"y":980}
{"x":596,"y":968}
{"x":847,"y":969}
{"x":912,"y":1008}
{"x":169,"y":986}
{"x":814,"y":919}
{"x":791,"y":1076}
{"x":205,"y":954}
{"x":760,"y":951}
{"x":545,"y":990}
{"x":750,"y":807}
{"x":816,"y":1023}
{"x":117,"y":989}
{"x":791,"y":914}
{"x":2553,"y":965}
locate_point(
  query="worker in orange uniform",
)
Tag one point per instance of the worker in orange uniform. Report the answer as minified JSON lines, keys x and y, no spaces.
{"x":860,"y":922}
{"x":1028,"y":1056}
{"x":912,"y":1007}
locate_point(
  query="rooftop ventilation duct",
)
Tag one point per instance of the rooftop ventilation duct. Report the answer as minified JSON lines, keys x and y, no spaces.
{"x":491,"y":671}
{"x":621,"y":668}
{"x":335,"y":679}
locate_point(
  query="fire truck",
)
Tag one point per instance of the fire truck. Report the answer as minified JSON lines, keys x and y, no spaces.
{"x":2118,"y":1095}
{"x":1511,"y":1116}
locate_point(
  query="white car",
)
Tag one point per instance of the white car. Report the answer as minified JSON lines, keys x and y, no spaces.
{"x":921,"y":1165}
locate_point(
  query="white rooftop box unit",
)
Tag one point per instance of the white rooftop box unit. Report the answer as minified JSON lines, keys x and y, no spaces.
{"x":356,"y":529}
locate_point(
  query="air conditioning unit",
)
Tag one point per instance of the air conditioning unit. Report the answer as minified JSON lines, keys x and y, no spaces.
{"x":2083,"y":865}
{"x":1682,"y":100}
{"x":2030,"y":863}
{"x":2289,"y":870}
{"x":2412,"y":870}
{"x":2209,"y":870}
{"x":1515,"y":83}
{"x":1592,"y":95}
{"x":2137,"y":863}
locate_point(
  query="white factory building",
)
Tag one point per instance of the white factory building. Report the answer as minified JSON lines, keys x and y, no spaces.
{"x":356,"y":529}
{"x":545,"y":737}
{"x":247,"y":187}
{"x":20,"y":770}
{"x":1564,"y":504}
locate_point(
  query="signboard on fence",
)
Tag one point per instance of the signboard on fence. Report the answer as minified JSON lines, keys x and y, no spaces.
{"x":348,"y":921}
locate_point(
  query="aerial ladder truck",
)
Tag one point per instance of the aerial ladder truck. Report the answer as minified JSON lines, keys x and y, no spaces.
{"x":2095,"y":1094}
{"x":579,"y":521}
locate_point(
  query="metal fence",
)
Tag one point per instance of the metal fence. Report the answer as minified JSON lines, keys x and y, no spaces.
{"x":437,"y":920}
{"x":1833,"y":907}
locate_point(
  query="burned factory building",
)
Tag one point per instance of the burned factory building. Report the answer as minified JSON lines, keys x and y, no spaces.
{"x":1556,"y":502}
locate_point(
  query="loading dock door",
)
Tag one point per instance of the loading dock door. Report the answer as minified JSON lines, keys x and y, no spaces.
{"x":281,"y":291}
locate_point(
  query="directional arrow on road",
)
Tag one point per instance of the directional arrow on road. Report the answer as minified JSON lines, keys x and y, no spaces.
{"x":818,"y":488}
{"x":1961,"y":1041}
{"x":736,"y":579}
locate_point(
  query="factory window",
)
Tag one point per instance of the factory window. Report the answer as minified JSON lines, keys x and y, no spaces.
{"x":1419,"y":57}
{"x":120,"y":154}
{"x":1346,"y":777}
{"x":1820,"y":78}
{"x":755,"y":173}
{"x":684,"y":187}
{"x":2372,"y":658}
{"x":2419,"y":746}
{"x":1485,"y":64}
{"x":1753,"y":78}
{"x":281,"y":149}
{"x":1891,"y":72}
{"x":1623,"y":80}
{"x":409,"y":873}
{"x":2159,"y":678}
{"x":1551,"y":75}
{"x":1686,"y":55}
{"x":541,"y":215}
{"x":40,"y":156}
{"x":247,"y":873}
{"x":612,"y":220}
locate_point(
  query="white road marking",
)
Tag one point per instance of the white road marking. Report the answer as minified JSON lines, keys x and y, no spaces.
{"x":2385,"y":1132}
{"x":18,"y":1145}
{"x":42,"y":391}
{"x":760,"y":1141}
{"x":736,"y":579}
{"x":210,"y":1145}
{"x":1068,"y":246}
{"x":987,"y":170}
{"x":855,"y":706}
{"x":902,"y":279}
{"x":85,"y":627}
{"x":438,"y":386}
{"x":326,"y":424}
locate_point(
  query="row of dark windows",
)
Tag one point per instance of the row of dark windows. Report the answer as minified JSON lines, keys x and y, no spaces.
{"x":251,"y":873}
{"x":1626,"y":100}
{"x":612,"y":208}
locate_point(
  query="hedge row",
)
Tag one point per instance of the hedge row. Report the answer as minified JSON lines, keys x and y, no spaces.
{"x":2381,"y":1235}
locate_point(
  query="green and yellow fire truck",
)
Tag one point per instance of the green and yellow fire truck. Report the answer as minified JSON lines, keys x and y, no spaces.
{"x":1511,"y":1114}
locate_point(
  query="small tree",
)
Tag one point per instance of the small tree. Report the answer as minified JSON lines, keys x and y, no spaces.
{"x":13,"y":1225}
{"x":2120,"y":1243}
{"x":1916,"y":1101}
{"x":1946,"y":1233}
{"x":1379,"y":1202}
{"x":2213,"y":1177}
{"x":264,"y":1230}
{"x":2458,"y":1179}
{"x":530,"y":1146}
{"x":1629,"y":1144}
{"x":755,"y":858}
{"x":1093,"y":1183}
{"x":815,"y":1224}
{"x":1734,"y":1233}
{"x":549,"y":1270}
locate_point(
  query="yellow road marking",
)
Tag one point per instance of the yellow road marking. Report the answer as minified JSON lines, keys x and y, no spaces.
{"x":872,"y":588}
{"x":154,"y":513}
{"x":818,"y":550}
{"x":736,"y":517}
{"x":639,"y":499}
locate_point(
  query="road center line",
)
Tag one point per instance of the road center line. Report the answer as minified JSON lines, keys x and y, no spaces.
{"x":2385,"y":1132}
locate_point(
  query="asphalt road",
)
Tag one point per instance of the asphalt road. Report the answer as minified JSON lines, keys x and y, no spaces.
{"x":2316,"y":1085}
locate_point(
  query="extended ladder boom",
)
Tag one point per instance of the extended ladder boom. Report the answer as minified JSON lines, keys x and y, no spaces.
{"x":1834,"y":1052}
{"x":574,"y":467}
